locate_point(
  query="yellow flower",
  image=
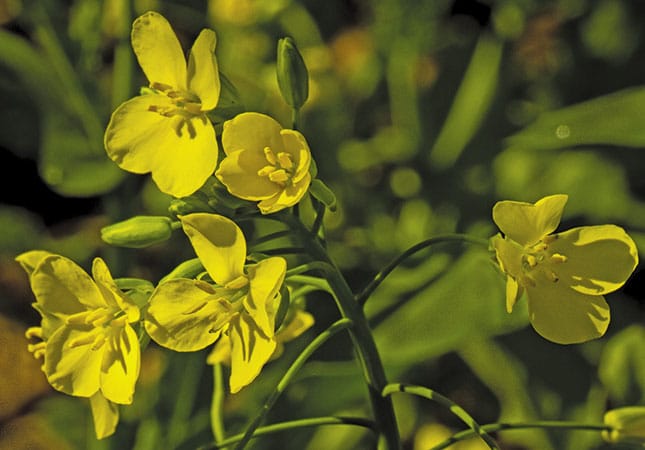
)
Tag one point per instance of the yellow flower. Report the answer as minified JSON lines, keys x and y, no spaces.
{"x":264,"y":162}
{"x":166,"y":131}
{"x":89,"y":347}
{"x":565,"y":275}
{"x":628,"y":425}
{"x":189,"y":315}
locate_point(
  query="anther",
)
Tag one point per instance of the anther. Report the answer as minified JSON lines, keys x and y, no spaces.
{"x":266,"y":171}
{"x":279,"y":176}
{"x":194,"y":309}
{"x":558,"y":258}
{"x":237,"y":283}
{"x":270,"y":156}
{"x":34,"y":332}
{"x":285,"y":161}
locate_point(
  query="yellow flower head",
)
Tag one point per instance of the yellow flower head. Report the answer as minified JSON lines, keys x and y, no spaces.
{"x":628,"y":425}
{"x":89,"y":347}
{"x":565,"y":275}
{"x":166,"y":132}
{"x":189,"y":315}
{"x":264,"y":162}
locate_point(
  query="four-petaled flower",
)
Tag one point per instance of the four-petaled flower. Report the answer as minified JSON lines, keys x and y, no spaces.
{"x":565,"y":275}
{"x":264,"y":162}
{"x":89,"y":347}
{"x":166,"y":132}
{"x":189,"y":315}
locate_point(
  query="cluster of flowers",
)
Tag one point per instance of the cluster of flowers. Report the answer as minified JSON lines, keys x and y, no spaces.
{"x":89,"y":333}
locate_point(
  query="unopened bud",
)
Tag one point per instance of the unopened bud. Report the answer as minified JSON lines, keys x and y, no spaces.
{"x":628,"y":425}
{"x":322,"y":193}
{"x":293,"y":78}
{"x":138,"y":231}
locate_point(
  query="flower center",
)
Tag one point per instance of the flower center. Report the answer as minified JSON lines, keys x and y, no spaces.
{"x":280,"y":168}
{"x":102,"y":320}
{"x":539,"y":262}
{"x":185,"y":106}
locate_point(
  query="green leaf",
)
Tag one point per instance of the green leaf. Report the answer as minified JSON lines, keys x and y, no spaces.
{"x":614,"y":119}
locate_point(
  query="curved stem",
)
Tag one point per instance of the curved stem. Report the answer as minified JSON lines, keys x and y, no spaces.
{"x":493,"y":427}
{"x":379,"y":277}
{"x":336,"y":327}
{"x":318,"y":283}
{"x":270,"y":237}
{"x":362,"y":338}
{"x":217,"y":404}
{"x":446,"y":402}
{"x":300,"y":423}
{"x":314,"y":265}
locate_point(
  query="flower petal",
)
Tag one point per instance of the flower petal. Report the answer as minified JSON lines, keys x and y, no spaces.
{"x":298,"y":324}
{"x":513,"y":293}
{"x":62,"y":288}
{"x":219,"y":244}
{"x":296,"y":145}
{"x":180,"y":151}
{"x":221,"y":353}
{"x":250,"y":350}
{"x":527,"y":223}
{"x":239,"y":173}
{"x":29,"y":260}
{"x":565,"y":316}
{"x":185,"y":315}
{"x":111,"y":293}
{"x":203,"y":75}
{"x":105,"y":415}
{"x":287,"y":197}
{"x":72,"y":370}
{"x":599,"y":258}
{"x":121,"y":363}
{"x":508,"y":254}
{"x":265,"y":280}
{"x":251,"y":131}
{"x":158,"y":51}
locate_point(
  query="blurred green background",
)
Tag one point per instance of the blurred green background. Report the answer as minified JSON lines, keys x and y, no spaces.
{"x":422,"y":114}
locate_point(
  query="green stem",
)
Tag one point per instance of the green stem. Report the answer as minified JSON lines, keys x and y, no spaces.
{"x":362,"y":338}
{"x":122,"y":68}
{"x":313,"y":282}
{"x":217,"y":404}
{"x":320,"y":215}
{"x":380,"y":277}
{"x":314,"y":265}
{"x":446,"y":402}
{"x":336,"y":327}
{"x":300,"y":423}
{"x":493,"y":427}
{"x":270,"y":237}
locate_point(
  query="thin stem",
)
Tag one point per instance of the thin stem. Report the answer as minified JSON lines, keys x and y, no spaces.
{"x":362,"y":338}
{"x":380,"y":277}
{"x":314,"y":265}
{"x":123,"y":61}
{"x":318,"y":283}
{"x":294,"y":118}
{"x":446,"y":402}
{"x":217,"y":404}
{"x":336,"y":327}
{"x":300,"y":423}
{"x":493,"y":427}
{"x":270,"y":237}
{"x":320,"y":215}
{"x":283,"y":251}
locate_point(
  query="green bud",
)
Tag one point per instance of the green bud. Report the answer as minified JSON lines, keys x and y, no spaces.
{"x":188,"y":205}
{"x":138,"y":231}
{"x":293,"y":78}
{"x":188,"y":269}
{"x":322,"y":193}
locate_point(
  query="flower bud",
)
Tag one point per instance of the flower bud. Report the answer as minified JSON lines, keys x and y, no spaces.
{"x":321,"y":192}
{"x":293,"y":78}
{"x":138,"y":231}
{"x":188,"y":205}
{"x":628,"y":425}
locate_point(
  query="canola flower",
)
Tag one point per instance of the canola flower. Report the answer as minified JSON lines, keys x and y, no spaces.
{"x":264,"y":162}
{"x":166,"y":131}
{"x":189,"y":315}
{"x":88,"y":344}
{"x":627,"y":423}
{"x":564,"y":275}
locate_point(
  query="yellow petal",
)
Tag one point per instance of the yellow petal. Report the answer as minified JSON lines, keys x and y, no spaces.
{"x":72,"y":370}
{"x":289,"y":196}
{"x":111,"y":293}
{"x":509,"y":255}
{"x":265,"y":280}
{"x":180,"y":151}
{"x":296,"y":145}
{"x":299,"y":323}
{"x":185,"y":315}
{"x":513,"y":293}
{"x":29,"y":260}
{"x":250,"y":350}
{"x":527,"y":223}
{"x":599,"y":259}
{"x":120,"y":368}
{"x":219,"y":244}
{"x":62,"y":288}
{"x":565,"y":316}
{"x":252,"y":131}
{"x":239,"y":173}
{"x":221,"y":353}
{"x":158,"y":51}
{"x":105,"y":415}
{"x":628,"y":425}
{"x":203,"y":77}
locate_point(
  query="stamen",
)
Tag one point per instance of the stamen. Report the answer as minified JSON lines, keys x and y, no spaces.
{"x":237,"y":283}
{"x":161,"y":87}
{"x":553,"y":276}
{"x":194,"y":309}
{"x":279,"y":176}
{"x":33,"y":348}
{"x":119,"y":322}
{"x":266,"y":171}
{"x":558,"y":258}
{"x":270,"y":156}
{"x":39,"y":353}
{"x":531,"y":261}
{"x":34,"y":332}
{"x":285,"y":161}
{"x":98,"y":342}
{"x":86,"y":338}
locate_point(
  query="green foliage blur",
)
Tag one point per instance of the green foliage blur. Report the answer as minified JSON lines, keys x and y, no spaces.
{"x":421,"y":115}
